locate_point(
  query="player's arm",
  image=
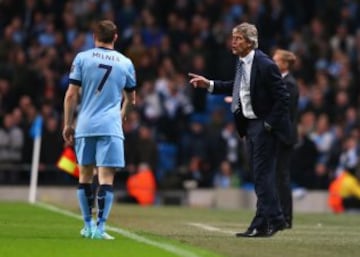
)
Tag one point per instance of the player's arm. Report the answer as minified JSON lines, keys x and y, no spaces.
{"x":129,"y":91}
{"x":129,"y":102}
{"x":70,"y":103}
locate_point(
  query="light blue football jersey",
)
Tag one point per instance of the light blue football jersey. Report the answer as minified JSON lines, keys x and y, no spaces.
{"x":102,"y":74}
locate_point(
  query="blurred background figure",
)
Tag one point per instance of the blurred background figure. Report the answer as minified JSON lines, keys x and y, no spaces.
{"x":285,"y":60}
{"x":225,"y":178}
{"x":140,"y":186}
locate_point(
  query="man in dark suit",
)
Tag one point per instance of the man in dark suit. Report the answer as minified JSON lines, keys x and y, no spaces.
{"x":285,"y":61}
{"x":260,"y":103}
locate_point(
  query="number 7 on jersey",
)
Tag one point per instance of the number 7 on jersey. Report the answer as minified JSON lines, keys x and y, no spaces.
{"x":108,"y":69}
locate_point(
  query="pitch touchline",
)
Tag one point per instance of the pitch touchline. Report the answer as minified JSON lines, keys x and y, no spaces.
{"x":163,"y":246}
{"x":210,"y":228}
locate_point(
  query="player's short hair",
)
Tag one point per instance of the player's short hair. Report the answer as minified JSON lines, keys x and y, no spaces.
{"x":250,"y":33}
{"x":105,"y":31}
{"x":286,"y":56}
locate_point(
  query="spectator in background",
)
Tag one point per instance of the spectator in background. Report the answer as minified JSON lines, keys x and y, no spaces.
{"x":141,"y":186}
{"x":197,"y":172}
{"x":224,"y":177}
{"x":7,"y":97}
{"x":342,"y":40}
{"x":317,"y":103}
{"x":11,"y":140}
{"x":131,"y":134}
{"x":304,"y":96}
{"x":198,"y":96}
{"x":136,"y":50}
{"x":336,"y":149}
{"x":146,"y":148}
{"x":51,"y":144}
{"x":351,"y":120}
{"x":234,"y":152}
{"x":29,"y":76}
{"x":11,"y":143}
{"x":303,"y":161}
{"x":324,"y":139}
{"x":349,"y":156}
{"x":194,"y":142}
{"x":176,"y":109}
{"x":150,"y":106}
{"x":342,"y":103}
{"x":216,"y":144}
{"x":29,"y":114}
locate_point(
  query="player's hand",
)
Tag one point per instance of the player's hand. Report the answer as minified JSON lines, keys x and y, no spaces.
{"x":198,"y":80}
{"x":68,"y":135}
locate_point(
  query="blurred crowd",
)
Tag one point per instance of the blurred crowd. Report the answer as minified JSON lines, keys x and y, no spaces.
{"x":186,"y":136}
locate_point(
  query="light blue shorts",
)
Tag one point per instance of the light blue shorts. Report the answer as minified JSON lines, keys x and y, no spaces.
{"x":101,"y":151}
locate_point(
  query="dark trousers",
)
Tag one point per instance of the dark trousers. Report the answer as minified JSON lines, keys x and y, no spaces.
{"x":262,"y":147}
{"x":283,"y":180}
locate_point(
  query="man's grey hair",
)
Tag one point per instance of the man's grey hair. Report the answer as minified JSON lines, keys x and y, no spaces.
{"x":250,"y":33}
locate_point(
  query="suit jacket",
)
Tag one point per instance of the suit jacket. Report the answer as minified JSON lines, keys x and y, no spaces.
{"x":269,"y":97}
{"x":291,"y":85}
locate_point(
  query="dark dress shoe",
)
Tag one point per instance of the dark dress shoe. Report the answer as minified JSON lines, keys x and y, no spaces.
{"x":288,"y":225}
{"x":274,"y":228}
{"x":288,"y":221}
{"x":253,"y":233}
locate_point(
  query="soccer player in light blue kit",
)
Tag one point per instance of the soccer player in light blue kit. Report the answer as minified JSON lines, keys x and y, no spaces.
{"x":103,"y":77}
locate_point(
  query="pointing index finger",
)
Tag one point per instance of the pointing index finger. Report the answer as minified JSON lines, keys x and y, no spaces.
{"x":193,"y":75}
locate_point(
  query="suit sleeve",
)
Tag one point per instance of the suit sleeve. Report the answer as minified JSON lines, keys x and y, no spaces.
{"x":223,"y":87}
{"x":294,"y":98}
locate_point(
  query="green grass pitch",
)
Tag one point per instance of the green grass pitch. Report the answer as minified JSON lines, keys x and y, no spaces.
{"x":43,"y":230}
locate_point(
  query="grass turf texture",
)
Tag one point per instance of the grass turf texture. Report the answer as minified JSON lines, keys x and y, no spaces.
{"x":28,"y":230}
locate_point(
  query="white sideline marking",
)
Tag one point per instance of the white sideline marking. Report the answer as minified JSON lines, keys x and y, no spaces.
{"x":163,"y":246}
{"x":210,"y":228}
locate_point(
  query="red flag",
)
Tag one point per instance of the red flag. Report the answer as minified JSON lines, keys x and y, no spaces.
{"x":68,"y":163}
{"x":335,"y":200}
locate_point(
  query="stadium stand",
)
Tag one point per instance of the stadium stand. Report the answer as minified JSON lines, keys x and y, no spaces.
{"x":166,"y":39}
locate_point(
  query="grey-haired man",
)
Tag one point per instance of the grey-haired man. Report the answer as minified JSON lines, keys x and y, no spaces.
{"x":260,"y":103}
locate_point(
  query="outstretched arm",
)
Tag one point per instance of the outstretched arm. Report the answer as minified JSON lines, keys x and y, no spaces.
{"x":199,"y":81}
{"x":213,"y":86}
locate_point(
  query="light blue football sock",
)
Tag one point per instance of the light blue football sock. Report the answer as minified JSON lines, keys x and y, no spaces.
{"x":85,"y":197}
{"x":105,"y":198}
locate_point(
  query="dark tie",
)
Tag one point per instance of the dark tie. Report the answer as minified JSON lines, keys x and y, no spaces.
{"x":236,"y":88}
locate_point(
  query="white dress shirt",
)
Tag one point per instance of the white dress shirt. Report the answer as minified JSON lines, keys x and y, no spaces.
{"x":283,"y":75}
{"x":244,"y":91}
{"x":245,"y":98}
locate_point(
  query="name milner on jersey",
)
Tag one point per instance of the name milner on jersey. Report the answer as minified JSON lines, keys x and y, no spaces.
{"x":106,"y":57}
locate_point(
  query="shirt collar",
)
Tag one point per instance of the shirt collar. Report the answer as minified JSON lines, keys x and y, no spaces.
{"x":248,"y":58}
{"x":284,"y":74}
